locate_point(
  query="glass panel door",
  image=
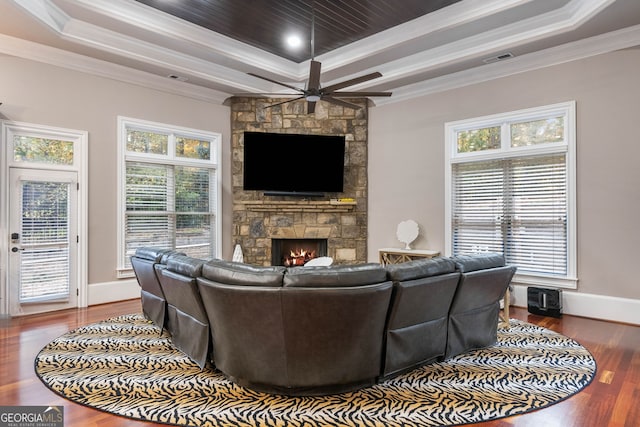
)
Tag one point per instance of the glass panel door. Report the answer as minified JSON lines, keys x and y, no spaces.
{"x":43,"y":237}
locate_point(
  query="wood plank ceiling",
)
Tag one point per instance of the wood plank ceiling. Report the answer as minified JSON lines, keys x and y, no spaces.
{"x":265,"y":23}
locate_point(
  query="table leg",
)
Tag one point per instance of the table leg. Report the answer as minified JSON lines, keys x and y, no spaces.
{"x":505,"y":311}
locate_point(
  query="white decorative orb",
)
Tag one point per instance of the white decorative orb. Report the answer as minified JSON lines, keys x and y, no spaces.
{"x":407,"y":232}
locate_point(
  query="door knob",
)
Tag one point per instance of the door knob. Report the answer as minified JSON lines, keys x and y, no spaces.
{"x":14,"y":249}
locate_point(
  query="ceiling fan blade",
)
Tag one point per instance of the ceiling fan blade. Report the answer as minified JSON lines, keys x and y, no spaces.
{"x":265,"y":95}
{"x":276,"y":82}
{"x":327,"y":90}
{"x":284,"y":102}
{"x":314,"y":76}
{"x":359,"y":94}
{"x":311,"y":107}
{"x":341,"y":103}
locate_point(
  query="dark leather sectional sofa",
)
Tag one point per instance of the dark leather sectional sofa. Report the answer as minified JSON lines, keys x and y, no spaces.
{"x":322,"y":330}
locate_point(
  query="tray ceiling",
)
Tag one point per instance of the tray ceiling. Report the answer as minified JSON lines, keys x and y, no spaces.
{"x":205,"y":49}
{"x":265,"y":24}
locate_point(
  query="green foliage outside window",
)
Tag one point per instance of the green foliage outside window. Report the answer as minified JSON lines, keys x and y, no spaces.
{"x":147,"y":142}
{"x":146,"y":187}
{"x":537,"y":132}
{"x":193,"y":148}
{"x":192,"y":195}
{"x":42,"y":150}
{"x":478,"y":139}
{"x":44,"y":212}
{"x":149,"y":189}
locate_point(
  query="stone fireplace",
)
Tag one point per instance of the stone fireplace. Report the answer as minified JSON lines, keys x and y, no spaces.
{"x":259,"y":219}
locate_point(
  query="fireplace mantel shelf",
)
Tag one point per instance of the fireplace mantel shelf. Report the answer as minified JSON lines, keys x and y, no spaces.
{"x":298,"y":206}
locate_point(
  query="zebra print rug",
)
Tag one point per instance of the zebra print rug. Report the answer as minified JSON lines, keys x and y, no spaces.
{"x":124,"y":366}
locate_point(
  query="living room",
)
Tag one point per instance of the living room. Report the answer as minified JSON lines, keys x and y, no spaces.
{"x":406,"y":168}
{"x":405,"y":151}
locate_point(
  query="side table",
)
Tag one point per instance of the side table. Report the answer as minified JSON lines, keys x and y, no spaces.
{"x":504,"y":317}
{"x":396,"y":256}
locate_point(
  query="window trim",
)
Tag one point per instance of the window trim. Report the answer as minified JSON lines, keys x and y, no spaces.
{"x":124,"y":123}
{"x":568,"y":146}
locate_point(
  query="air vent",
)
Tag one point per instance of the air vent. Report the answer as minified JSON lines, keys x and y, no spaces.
{"x":497,"y":58}
{"x":176,"y":77}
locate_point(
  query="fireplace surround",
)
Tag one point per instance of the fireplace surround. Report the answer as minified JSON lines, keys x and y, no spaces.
{"x":257,"y":219}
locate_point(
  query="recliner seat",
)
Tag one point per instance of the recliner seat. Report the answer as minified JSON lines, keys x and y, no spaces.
{"x":186,"y":318}
{"x":473,"y":317}
{"x":153,"y":300}
{"x":316,"y":330}
{"x":416,"y":332}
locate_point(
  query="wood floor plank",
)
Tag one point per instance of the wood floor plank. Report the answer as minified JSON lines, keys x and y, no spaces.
{"x":611,"y":400}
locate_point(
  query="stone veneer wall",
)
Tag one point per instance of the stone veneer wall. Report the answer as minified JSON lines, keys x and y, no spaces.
{"x":258,"y":218}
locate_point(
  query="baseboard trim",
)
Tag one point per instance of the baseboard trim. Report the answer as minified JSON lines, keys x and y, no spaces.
{"x":599,"y":307}
{"x":119,"y":290}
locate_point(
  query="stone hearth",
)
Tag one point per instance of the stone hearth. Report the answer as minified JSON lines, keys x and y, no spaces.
{"x":257,"y":218}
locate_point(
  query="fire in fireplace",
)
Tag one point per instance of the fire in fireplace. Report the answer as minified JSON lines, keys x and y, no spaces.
{"x":296,"y":252}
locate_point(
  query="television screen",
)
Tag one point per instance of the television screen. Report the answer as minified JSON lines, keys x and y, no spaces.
{"x":293,"y":163}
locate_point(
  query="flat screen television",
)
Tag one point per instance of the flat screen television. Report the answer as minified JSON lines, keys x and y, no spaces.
{"x":293,"y":164}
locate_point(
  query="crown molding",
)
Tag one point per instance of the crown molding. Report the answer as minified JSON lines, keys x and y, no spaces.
{"x":49,"y":55}
{"x":442,"y":19}
{"x":158,"y":22}
{"x":106,"y":40}
{"x":47,"y":12}
{"x":174,"y":62}
{"x":621,"y":39}
{"x":597,"y":45}
{"x":571,"y":16}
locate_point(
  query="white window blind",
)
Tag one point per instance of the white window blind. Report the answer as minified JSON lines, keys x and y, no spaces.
{"x":169,"y":206}
{"x":517,"y":206}
{"x":148,"y":216}
{"x":44,"y":270}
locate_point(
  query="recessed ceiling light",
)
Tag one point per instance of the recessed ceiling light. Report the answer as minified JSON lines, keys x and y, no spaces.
{"x":294,"y":41}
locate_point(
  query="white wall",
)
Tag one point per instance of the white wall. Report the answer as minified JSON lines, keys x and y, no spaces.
{"x":406,"y":169}
{"x":34,"y":92}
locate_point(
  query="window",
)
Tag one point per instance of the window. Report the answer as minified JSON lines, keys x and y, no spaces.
{"x":511,"y":189}
{"x":169,"y":187}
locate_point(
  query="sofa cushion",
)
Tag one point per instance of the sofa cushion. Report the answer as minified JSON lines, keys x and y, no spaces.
{"x":467,"y":263}
{"x":185,"y":265}
{"x":237,"y":273}
{"x":335,"y":276}
{"x":151,"y":253}
{"x":420,"y":268}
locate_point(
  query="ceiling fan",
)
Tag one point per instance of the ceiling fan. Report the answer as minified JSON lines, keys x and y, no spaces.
{"x":314,"y":92}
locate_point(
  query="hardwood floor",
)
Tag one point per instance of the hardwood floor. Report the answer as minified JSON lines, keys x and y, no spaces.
{"x":612,"y":399}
